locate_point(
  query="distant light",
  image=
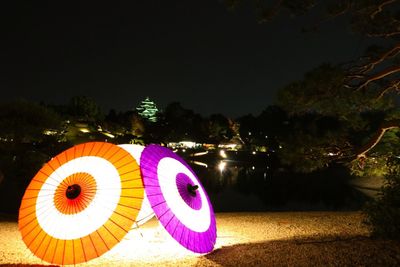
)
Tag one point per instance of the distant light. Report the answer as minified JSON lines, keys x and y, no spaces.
{"x":280,"y":146}
{"x":223,"y":154}
{"x":84,"y":130}
{"x":49,"y":132}
{"x":187,"y":144}
{"x":253,"y":152}
{"x":200,"y":163}
{"x":108,"y":134}
{"x":331,"y":154}
{"x":249,"y":133}
{"x":253,"y":168}
{"x":266,"y":136}
{"x":222,"y":166}
{"x":200,"y":153}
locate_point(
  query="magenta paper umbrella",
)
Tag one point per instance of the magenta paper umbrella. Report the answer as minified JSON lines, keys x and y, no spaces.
{"x":178,"y":199}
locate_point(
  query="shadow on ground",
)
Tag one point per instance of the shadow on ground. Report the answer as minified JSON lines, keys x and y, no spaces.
{"x":315,"y":251}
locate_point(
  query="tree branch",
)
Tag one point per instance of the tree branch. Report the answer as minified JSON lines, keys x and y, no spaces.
{"x":394,"y":85}
{"x":388,"y":54}
{"x":379,"y":76}
{"x":389,"y":34}
{"x":380,"y":8}
{"x":377,"y":137}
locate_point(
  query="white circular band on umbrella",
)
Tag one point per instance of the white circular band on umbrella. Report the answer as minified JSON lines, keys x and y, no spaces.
{"x":77,"y":225}
{"x":196,"y":220}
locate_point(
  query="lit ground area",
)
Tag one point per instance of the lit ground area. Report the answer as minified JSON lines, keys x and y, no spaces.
{"x":244,"y":239}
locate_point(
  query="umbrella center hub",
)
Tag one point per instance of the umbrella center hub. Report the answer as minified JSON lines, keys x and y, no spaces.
{"x":73,"y":191}
{"x":189,"y":191}
{"x":192,"y":189}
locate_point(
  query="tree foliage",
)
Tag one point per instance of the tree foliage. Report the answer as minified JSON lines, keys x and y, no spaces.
{"x":383,"y":214}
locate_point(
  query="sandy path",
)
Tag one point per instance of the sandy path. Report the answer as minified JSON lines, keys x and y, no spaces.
{"x":244,"y":239}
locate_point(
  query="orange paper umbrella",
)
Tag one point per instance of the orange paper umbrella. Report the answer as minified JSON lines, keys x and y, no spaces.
{"x":81,"y":203}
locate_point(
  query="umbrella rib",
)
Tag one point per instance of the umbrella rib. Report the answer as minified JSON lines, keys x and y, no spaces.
{"x":134,"y":187}
{"x":59,"y":163}
{"x":54,"y":171}
{"x":176,"y":226}
{"x":126,"y":217}
{"x":91,"y":241}
{"x":117,"y":224}
{"x":33,"y":197}
{"x":112,"y":233}
{"x":115,"y":211}
{"x":127,"y":206}
{"x":100,"y":150}
{"x":129,"y":179}
{"x":91,"y":149}
{"x":26,"y":215}
{"x":83,"y":249}
{"x":129,"y":163}
{"x":33,"y":239}
{"x":42,"y":182}
{"x":152,"y":195}
{"x":63,"y":253}
{"x":73,"y":249}
{"x":110,"y":157}
{"x":34,"y":189}
{"x":132,"y":197}
{"x":54,"y":252}
{"x":34,"y":204}
{"x":74,"y":207}
{"x":118,"y":159}
{"x":41,"y":241}
{"x":47,"y":247}
{"x":102,"y":239}
{"x":28,"y":223}
{"x":147,"y":185}
{"x":130,"y":171}
{"x":83,"y":149}
{"x":159,"y":203}
{"x":159,"y":217}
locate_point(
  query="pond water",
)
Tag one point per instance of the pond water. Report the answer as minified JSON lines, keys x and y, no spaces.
{"x":243,"y":181}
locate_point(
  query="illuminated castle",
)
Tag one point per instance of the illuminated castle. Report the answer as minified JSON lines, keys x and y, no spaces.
{"x":147,"y":109}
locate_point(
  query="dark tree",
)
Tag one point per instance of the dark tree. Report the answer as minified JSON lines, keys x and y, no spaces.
{"x":182,"y":124}
{"x":25,"y":122}
{"x":84,"y":108}
{"x":219,"y":129}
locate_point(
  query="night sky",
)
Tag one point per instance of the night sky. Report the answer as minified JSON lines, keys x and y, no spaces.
{"x":199,"y":53}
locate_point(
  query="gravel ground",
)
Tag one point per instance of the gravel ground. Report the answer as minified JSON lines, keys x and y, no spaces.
{"x":244,"y":239}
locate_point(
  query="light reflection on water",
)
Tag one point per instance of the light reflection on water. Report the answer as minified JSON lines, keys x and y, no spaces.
{"x":243,"y":181}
